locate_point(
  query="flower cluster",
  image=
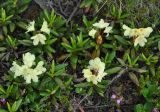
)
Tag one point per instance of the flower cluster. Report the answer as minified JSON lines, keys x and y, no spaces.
{"x":2,"y":101}
{"x":138,"y":34}
{"x":95,"y":71}
{"x":117,"y":99}
{"x":101,"y":25}
{"x":39,"y":37}
{"x":26,"y":70}
{"x":155,"y":110}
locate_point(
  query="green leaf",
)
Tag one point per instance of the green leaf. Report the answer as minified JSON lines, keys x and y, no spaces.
{"x":2,"y":49}
{"x":101,"y":86}
{"x":59,"y":72}
{"x":152,"y":69}
{"x":52,"y":67}
{"x":22,"y":9}
{"x":159,"y":45}
{"x":111,"y":56}
{"x":68,"y":47}
{"x":90,"y":91}
{"x":121,"y":40}
{"x":124,"y":16}
{"x":16,"y":105}
{"x":2,"y":90}
{"x":2,"y":110}
{"x":60,"y":83}
{"x":12,"y":27}
{"x":82,"y":85}
{"x":113,"y":70}
{"x":79,"y":90}
{"x":22,"y":25}
{"x":108,"y":46}
{"x":60,"y":66}
{"x":25,"y":42}
{"x":51,"y":41}
{"x":139,"y":70}
{"x":5,"y":30}
{"x":148,"y":107}
{"x":9,"y":89}
{"x":145,"y":92}
{"x":139,"y":108}
{"x":9,"y":107}
{"x":74,"y":60}
{"x":129,"y":60}
{"x":100,"y":91}
{"x":134,"y":78}
{"x":85,"y":21}
{"x":44,"y":94}
{"x":121,"y":62}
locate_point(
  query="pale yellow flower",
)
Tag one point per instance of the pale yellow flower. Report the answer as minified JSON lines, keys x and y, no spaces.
{"x":101,"y":24}
{"x":139,"y":34}
{"x":92,"y":33}
{"x":28,"y":74}
{"x":108,"y":29}
{"x":95,"y":71}
{"x":45,"y":28}
{"x":38,"y":38}
{"x":140,"y":40}
{"x":28,"y":59}
{"x":128,"y":31}
{"x":30,"y":27}
{"x":39,"y":68}
{"x":26,"y":70}
{"x":16,"y":69}
{"x":32,"y":74}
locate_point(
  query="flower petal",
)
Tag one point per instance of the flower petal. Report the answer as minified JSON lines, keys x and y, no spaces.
{"x":30,"y":27}
{"x":45,"y":28}
{"x":92,"y":33}
{"x":101,"y":24}
{"x":140,"y":40}
{"x":28,"y":59}
{"x":38,"y":38}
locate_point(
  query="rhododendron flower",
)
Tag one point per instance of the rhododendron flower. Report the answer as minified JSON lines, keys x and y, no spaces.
{"x":38,"y":38}
{"x":28,"y":59}
{"x":140,"y":40}
{"x":92,"y":33}
{"x":45,"y":28}
{"x":139,"y":34}
{"x":108,"y":29}
{"x":26,"y":70}
{"x":95,"y":71}
{"x":30,"y":27}
{"x":101,"y":24}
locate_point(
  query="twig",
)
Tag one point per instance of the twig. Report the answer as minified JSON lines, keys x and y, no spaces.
{"x":59,"y":4}
{"x":83,"y":99}
{"x":101,"y":7}
{"x":78,"y":105}
{"x":57,"y":12}
{"x":74,"y":11}
{"x":117,"y":76}
{"x":101,"y":106}
{"x":81,"y":109}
